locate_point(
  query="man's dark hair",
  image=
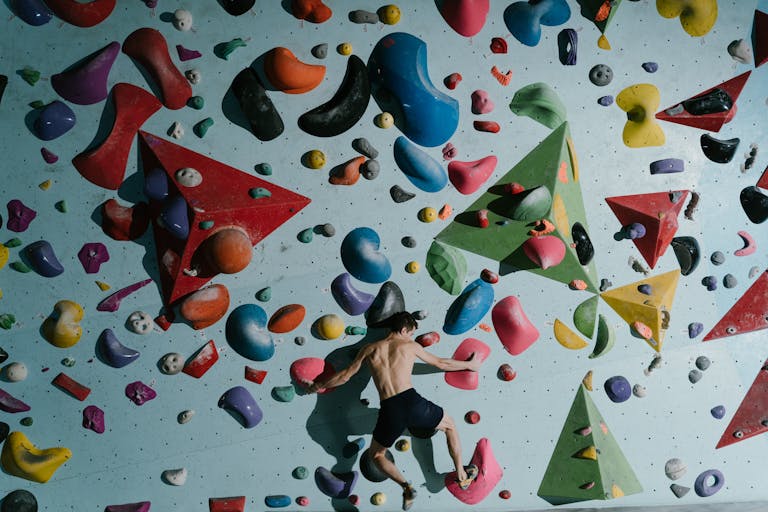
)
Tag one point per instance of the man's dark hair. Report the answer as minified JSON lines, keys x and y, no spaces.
{"x":402,"y":320}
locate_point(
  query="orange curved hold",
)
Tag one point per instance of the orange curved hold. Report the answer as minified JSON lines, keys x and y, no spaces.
{"x":82,"y":14}
{"x":289,"y":74}
{"x":314,"y":11}
{"x":349,"y":173}
{"x":287,"y":318}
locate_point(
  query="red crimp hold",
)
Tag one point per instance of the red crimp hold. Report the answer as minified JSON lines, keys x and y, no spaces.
{"x":487,"y":126}
{"x":165,"y":319}
{"x":428,"y":338}
{"x":498,"y":45}
{"x":513,"y":188}
{"x":482,"y":218}
{"x":231,"y":504}
{"x":489,"y":276}
{"x":71,"y":386}
{"x":202,"y":361}
{"x":254,"y":375}
{"x":452,"y":80}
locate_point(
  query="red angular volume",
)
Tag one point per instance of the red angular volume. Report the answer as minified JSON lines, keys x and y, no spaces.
{"x":749,"y":419}
{"x":750,"y":313}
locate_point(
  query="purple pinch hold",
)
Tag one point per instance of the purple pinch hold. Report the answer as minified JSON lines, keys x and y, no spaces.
{"x":92,"y":255}
{"x":49,"y":156}
{"x":139,"y":393}
{"x":238,"y":400}
{"x":717,"y":412}
{"x":667,"y":166}
{"x":86,"y":83}
{"x":93,"y":419}
{"x":694,"y":329}
{"x":353,"y":301}
{"x":112,"y":303}
{"x":605,"y":101}
{"x":42,"y":259}
{"x":19,"y":216}
{"x":635,"y":230}
{"x":650,"y":67}
{"x":187,"y":54}
{"x":10,"y":404}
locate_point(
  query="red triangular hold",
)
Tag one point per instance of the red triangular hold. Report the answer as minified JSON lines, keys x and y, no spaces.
{"x":223,"y":198}
{"x":760,"y":38}
{"x":763,"y":181}
{"x":709,"y":122}
{"x":751,"y":414}
{"x":657,"y":212}
{"x":750,"y":313}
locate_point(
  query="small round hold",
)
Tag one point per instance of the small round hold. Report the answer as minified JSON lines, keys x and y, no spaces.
{"x":327,"y":229}
{"x":265,"y":294}
{"x":710,"y":282}
{"x":675,"y":469}
{"x":505,"y":494}
{"x":305,"y":235}
{"x":185,"y":416}
{"x":403,"y":445}
{"x":384,"y":120}
{"x":315,"y":159}
{"x":188,"y":177}
{"x":694,"y":329}
{"x":635,"y":230}
{"x":27,"y":421}
{"x":717,"y":412}
{"x":754,"y":271}
{"x":140,"y":322}
{"x":370,"y":169}
{"x":702,"y":363}
{"x":412,"y":267}
{"x":299,"y":340}
{"x":302,"y":501}
{"x":427,"y":214}
{"x":320,"y":51}
{"x":300,"y":473}
{"x":601,"y":75}
{"x":618,"y":389}
{"x":506,"y":373}
{"x":182,"y":19}
{"x":639,"y":391}
{"x":16,"y":372}
{"x":717,"y":258}
{"x":19,"y":500}
{"x":389,"y":14}
{"x":229,"y":250}
{"x":194,"y":76}
{"x":344,"y":49}
{"x":605,"y":101}
{"x":171,"y":363}
{"x":695,"y":376}
{"x":472,"y":417}
{"x":650,"y":67}
{"x":421,"y":314}
{"x":408,"y":241}
{"x":730,"y":281}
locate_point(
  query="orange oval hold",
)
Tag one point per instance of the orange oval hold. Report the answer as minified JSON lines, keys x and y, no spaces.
{"x":229,"y":250}
{"x":287,"y":318}
{"x":206,"y":306}
{"x":288,"y":74}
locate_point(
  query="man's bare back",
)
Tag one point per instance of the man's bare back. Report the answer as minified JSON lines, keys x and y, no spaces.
{"x":391,"y":363}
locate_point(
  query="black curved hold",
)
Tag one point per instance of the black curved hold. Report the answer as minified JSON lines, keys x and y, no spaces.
{"x":237,"y":7}
{"x":388,"y":301}
{"x":19,"y":501}
{"x":346,"y":107}
{"x":719,"y":151}
{"x":583,"y":245}
{"x":713,"y":102}
{"x":755,"y":204}
{"x":262,"y":115}
{"x":687,"y":253}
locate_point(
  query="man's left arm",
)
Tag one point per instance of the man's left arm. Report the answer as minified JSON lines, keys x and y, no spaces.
{"x":340,"y":377}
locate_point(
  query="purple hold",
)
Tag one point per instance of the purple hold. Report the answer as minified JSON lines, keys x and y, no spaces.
{"x":605,"y":101}
{"x":33,"y":12}
{"x":112,"y":352}
{"x":618,"y":389}
{"x":635,"y":230}
{"x":156,"y":184}
{"x":10,"y":404}
{"x":239,"y":401}
{"x":55,"y":120}
{"x":86,"y":84}
{"x":139,"y":393}
{"x":187,"y":54}
{"x":19,"y":216}
{"x":335,"y":485}
{"x":49,"y":156}
{"x":174,"y":217}
{"x":710,"y":282}
{"x":142,"y":506}
{"x":42,"y":259}
{"x":650,"y":67}
{"x":645,"y":289}
{"x":92,"y":255}
{"x":354,"y":302}
{"x":93,"y":419}
{"x":718,"y":412}
{"x":694,"y":329}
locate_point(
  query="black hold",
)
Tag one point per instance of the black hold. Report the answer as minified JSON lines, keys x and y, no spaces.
{"x":3,"y":355}
{"x":687,"y":253}
{"x":264,"y":120}
{"x":719,"y":151}
{"x":370,"y":470}
{"x":584,"y":249}
{"x":408,"y":241}
{"x":399,"y":195}
{"x":347,"y":106}
{"x":237,"y":7}
{"x":387,"y":302}
{"x":755,"y":204}
{"x":712,"y":102}
{"x":19,"y":501}
{"x":5,"y":429}
{"x":3,"y":84}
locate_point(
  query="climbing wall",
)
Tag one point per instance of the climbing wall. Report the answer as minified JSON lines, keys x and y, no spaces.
{"x":202,"y":204}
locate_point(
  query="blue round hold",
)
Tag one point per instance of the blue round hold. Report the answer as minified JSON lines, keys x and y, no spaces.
{"x":618,"y":389}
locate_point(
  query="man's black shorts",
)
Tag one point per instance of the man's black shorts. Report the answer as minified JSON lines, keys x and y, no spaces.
{"x":406,"y":409}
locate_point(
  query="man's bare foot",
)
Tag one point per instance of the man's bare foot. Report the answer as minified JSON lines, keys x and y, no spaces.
{"x":409,"y":496}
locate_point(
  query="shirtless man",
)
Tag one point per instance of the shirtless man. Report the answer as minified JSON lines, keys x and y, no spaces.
{"x":391,"y":362}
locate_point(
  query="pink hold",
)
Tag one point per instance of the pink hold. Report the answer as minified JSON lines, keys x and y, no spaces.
{"x":466,"y":379}
{"x":449,"y":152}
{"x":310,"y":369}
{"x":466,"y":17}
{"x":142,"y":506}
{"x":112,"y":303}
{"x":515,"y":331}
{"x":544,"y":251}
{"x":93,"y":419}
{"x":468,"y":177}
{"x":92,"y":255}
{"x":187,"y":54}
{"x":302,"y":501}
{"x":488,"y":477}
{"x":139,"y":393}
{"x":481,"y":103}
{"x":19,"y":216}
{"x":49,"y":156}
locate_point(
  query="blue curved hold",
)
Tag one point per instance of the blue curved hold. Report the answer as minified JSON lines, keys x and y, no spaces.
{"x":112,"y":352}
{"x":353,"y":301}
{"x":34,"y":12}
{"x":361,"y":256}
{"x":335,"y":485}
{"x":247,"y":333}
{"x":424,"y":171}
{"x":469,"y":307}
{"x":524,"y":19}
{"x":277,"y":501}
{"x":400,"y":81}
{"x":239,"y":401}
{"x":54,"y":120}
{"x":174,"y":217}
{"x":42,"y":259}
{"x":156,"y":184}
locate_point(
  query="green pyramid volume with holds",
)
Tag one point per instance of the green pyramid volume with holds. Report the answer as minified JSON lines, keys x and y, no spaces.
{"x":587,"y":463}
{"x":550,"y":176}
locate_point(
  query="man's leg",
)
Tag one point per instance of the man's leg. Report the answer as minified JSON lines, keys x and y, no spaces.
{"x":454,"y":445}
{"x":378,"y":454}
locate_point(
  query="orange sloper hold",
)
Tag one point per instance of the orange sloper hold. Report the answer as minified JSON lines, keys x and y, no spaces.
{"x":314,"y":11}
{"x":489,"y":475}
{"x":348,"y":174}
{"x":288,"y":74}
{"x":206,"y":306}
{"x":287,"y":318}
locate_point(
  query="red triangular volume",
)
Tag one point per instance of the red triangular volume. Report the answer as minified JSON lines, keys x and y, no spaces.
{"x":709,"y":122}
{"x":749,"y":418}
{"x":763,"y":181}
{"x":750,"y":313}
{"x":657,"y":212}
{"x":223,"y":198}
{"x":760,"y":38}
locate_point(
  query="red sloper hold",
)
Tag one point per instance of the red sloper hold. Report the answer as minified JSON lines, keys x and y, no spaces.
{"x":314,"y":11}
{"x":202,"y":361}
{"x":750,"y":416}
{"x":709,"y":122}
{"x":760,"y":38}
{"x":231,"y":504}
{"x":82,"y":14}
{"x":513,"y":328}
{"x":224,"y":198}
{"x":71,"y":386}
{"x":657,"y":213}
{"x":122,"y":222}
{"x":750,"y":313}
{"x":466,"y":17}
{"x":487,"y":478}
{"x":467,"y":177}
{"x":105,"y":164}
{"x":312,"y":369}
{"x":466,"y":379}
{"x":147,"y":46}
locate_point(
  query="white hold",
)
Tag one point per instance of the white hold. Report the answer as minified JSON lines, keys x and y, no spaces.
{"x":175,"y":476}
{"x":740,"y":51}
{"x":639,"y":391}
{"x":171,"y":363}
{"x":177,"y":130}
{"x":193,"y":75}
{"x":185,"y":416}
{"x":189,"y":177}
{"x":182,"y":20}
{"x":16,"y":372}
{"x":675,"y":468}
{"x":140,"y":322}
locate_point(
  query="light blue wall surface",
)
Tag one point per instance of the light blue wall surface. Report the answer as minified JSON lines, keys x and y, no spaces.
{"x":523,"y":418}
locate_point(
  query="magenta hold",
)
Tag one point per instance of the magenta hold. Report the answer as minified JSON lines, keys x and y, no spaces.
{"x":139,"y":393}
{"x":93,"y":419}
{"x":187,"y":54}
{"x":10,"y":404}
{"x":112,"y":303}
{"x":92,"y":255}
{"x":86,"y":84}
{"x":19,"y":216}
{"x":142,"y":506}
{"x":42,"y":259}
{"x":49,"y":156}
{"x":239,"y":402}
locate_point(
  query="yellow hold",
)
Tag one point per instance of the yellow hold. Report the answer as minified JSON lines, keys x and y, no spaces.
{"x":616,"y":491}
{"x":567,"y":337}
{"x":590,"y":452}
{"x":21,"y":458}
{"x":640,"y":102}
{"x":3,"y":255}
{"x":587,"y":380}
{"x":602,"y":42}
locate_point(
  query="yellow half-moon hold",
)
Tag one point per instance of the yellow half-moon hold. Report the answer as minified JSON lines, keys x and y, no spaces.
{"x":567,"y":337}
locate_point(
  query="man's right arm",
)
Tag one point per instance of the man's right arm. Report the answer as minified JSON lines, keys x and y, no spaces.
{"x":448,"y":364}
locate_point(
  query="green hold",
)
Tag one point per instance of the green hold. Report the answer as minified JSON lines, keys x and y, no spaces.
{"x":305,"y":235}
{"x":29,"y":75}
{"x":27,"y":422}
{"x":300,"y":473}
{"x":283,"y":393}
{"x":533,"y":204}
{"x":37,"y":104}
{"x":447,"y":267}
{"x":223,"y":50}
{"x":259,"y":192}
{"x":61,"y":206}
{"x":69,"y":362}
{"x":6,"y":321}
{"x":196,"y":102}
{"x":584,"y":316}
{"x":355,"y":330}
{"x":605,"y":338}
{"x":13,"y":242}
{"x":264,"y":169}
{"x":541,"y":103}
{"x":20,"y":266}
{"x":206,"y":224}
{"x":202,"y":127}
{"x":264,"y":294}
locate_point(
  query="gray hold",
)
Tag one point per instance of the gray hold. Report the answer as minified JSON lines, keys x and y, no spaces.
{"x":408,"y":241}
{"x":717,"y":258}
{"x":679,"y":490}
{"x":730,"y":281}
{"x":702,"y":363}
{"x":320,"y":51}
{"x":695,"y":376}
{"x":365,"y":148}
{"x":370,"y":169}
{"x":388,"y":301}
{"x":601,"y":75}
{"x":361,"y":16}
{"x":399,"y":195}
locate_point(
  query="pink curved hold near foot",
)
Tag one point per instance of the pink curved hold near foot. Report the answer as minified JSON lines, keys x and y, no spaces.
{"x":49,"y":156}
{"x":749,"y":245}
{"x":466,"y":17}
{"x":112,"y":303}
{"x":481,"y":102}
{"x":105,"y":164}
{"x":515,"y":331}
{"x":467,"y":379}
{"x":82,"y":14}
{"x":544,"y":251}
{"x":147,"y":46}
{"x":310,"y":369}
{"x":87,"y":83}
{"x":468,"y":177}
{"x":487,"y":478}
